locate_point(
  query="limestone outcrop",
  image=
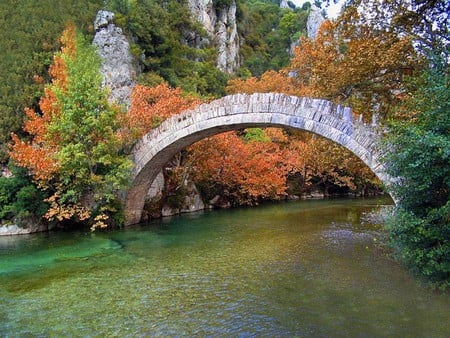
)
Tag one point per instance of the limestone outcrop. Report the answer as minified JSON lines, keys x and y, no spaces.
{"x":117,"y":62}
{"x":221,"y":27}
{"x":27,"y":226}
{"x":284,"y":4}
{"x":315,"y":19}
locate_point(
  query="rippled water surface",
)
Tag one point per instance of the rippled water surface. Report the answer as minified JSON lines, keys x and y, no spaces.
{"x":308,"y":268}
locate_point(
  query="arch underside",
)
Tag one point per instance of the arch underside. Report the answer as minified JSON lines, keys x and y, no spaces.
{"x":158,"y":147}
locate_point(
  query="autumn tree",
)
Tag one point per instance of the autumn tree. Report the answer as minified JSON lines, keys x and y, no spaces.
{"x":347,"y":63}
{"x":356,"y":66}
{"x":270,"y":81}
{"x":417,"y":144}
{"x":330,"y":166}
{"x":73,"y":150}
{"x":426,"y":22}
{"x":152,"y":105}
{"x":30,"y":37}
{"x":247,"y":169}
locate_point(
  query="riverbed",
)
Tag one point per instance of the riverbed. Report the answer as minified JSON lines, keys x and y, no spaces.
{"x":303,"y":268}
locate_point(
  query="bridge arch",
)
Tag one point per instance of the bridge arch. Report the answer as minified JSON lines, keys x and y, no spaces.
{"x":334,"y":122}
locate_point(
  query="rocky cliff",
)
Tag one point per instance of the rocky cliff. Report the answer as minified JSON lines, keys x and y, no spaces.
{"x":117,"y":62}
{"x":315,"y":19}
{"x":220,"y":24}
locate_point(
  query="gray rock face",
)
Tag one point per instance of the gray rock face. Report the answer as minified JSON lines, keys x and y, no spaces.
{"x":227,"y":39}
{"x":192,"y":202}
{"x":315,"y":19}
{"x":9,"y":230}
{"x":117,"y":62}
{"x":31,"y":226}
{"x":5,"y":172}
{"x":204,"y":12}
{"x":284,"y":4}
{"x":103,"y":19}
{"x":220,"y":24}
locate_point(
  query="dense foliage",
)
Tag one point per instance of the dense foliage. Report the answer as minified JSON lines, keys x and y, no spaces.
{"x":268,"y":33}
{"x":20,"y":198}
{"x":30,"y":31}
{"x":419,"y":159}
{"x":73,"y":152}
{"x":152,"y":105}
{"x":426,"y":22}
{"x":247,"y":169}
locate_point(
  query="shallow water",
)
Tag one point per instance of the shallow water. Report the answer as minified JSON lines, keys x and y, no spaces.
{"x":307,"y":268}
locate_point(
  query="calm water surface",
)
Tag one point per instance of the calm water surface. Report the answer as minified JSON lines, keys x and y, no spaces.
{"x":305,"y":269}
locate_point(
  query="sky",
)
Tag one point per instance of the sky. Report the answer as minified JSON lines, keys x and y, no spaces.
{"x":332,"y":10}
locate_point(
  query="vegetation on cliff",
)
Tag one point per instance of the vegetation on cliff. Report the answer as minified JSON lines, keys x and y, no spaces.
{"x":268,"y":33}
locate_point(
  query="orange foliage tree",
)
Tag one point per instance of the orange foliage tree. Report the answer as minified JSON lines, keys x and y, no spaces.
{"x":152,"y":105}
{"x":350,"y":64}
{"x":355,"y":65}
{"x":245,"y":172}
{"x":38,"y":155}
{"x":330,"y":165}
{"x":73,"y":150}
{"x":270,"y":81}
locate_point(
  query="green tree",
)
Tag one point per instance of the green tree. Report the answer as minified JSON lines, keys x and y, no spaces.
{"x":78,"y":133}
{"x":268,"y":32}
{"x":30,"y":31}
{"x":418,"y":156}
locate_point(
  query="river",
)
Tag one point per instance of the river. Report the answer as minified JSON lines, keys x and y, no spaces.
{"x":304,"y":269}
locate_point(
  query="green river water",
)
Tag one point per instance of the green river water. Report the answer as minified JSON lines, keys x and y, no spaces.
{"x":303,"y":269}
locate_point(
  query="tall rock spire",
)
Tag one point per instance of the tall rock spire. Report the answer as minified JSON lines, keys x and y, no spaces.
{"x":117,"y":62}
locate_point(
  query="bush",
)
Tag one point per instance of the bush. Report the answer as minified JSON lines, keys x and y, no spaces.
{"x":422,"y":244}
{"x":19,"y":197}
{"x":418,"y":156}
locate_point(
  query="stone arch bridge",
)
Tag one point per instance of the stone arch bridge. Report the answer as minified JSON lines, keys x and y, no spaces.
{"x":238,"y":111}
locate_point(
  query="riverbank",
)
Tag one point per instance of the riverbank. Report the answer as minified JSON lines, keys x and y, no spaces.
{"x":192,"y":203}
